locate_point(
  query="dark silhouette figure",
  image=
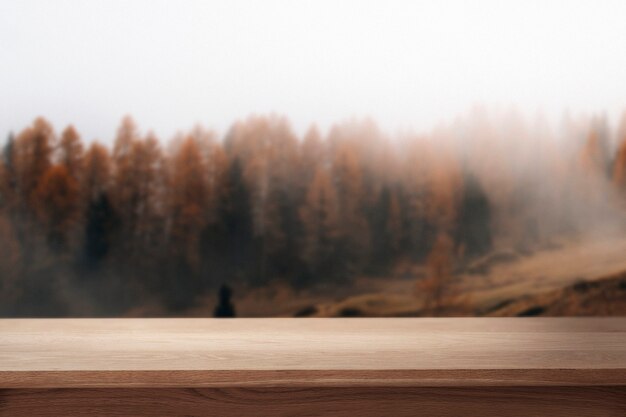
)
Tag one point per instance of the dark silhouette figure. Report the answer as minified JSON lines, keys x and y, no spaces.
{"x":225,"y":307}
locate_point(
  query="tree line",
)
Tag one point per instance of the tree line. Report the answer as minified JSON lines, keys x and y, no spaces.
{"x":144,"y":219}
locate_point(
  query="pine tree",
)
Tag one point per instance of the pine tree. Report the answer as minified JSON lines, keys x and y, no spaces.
{"x":100,"y":225}
{"x":7,"y":176}
{"x":473,"y":228}
{"x":232,"y":236}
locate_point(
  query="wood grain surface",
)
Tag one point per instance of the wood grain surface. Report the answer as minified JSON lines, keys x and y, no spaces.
{"x":257,"y":353}
{"x":336,"y":402}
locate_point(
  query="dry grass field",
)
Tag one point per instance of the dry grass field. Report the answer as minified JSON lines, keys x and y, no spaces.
{"x":575,"y":277}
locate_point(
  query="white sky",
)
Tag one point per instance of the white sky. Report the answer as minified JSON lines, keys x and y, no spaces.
{"x":172,"y":64}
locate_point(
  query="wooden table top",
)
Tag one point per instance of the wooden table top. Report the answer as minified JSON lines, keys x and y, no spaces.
{"x":50,"y":353}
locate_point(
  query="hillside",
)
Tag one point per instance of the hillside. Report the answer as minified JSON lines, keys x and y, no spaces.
{"x":602,"y":297}
{"x":575,"y":277}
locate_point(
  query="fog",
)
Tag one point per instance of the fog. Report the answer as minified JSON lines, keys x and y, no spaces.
{"x":406,"y":64}
{"x":158,"y":152}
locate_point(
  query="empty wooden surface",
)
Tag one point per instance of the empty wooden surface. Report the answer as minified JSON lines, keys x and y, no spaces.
{"x":255,"y":353}
{"x":554,"y":367}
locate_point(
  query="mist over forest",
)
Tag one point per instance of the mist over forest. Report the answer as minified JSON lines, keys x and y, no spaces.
{"x":88,"y":229}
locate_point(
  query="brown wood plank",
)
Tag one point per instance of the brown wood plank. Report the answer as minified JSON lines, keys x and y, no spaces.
{"x":313,"y":378}
{"x":349,"y":402}
{"x":312,"y":352}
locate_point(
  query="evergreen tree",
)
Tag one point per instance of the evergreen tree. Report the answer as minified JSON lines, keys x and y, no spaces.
{"x":473,"y":228}
{"x":100,"y":224}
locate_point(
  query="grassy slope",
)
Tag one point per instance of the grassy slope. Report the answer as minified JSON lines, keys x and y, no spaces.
{"x":601,"y":297}
{"x":509,"y":283}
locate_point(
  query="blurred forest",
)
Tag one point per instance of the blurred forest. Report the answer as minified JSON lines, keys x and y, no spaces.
{"x":90,"y":229}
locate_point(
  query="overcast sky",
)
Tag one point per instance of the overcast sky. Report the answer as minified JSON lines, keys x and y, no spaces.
{"x":172,"y":64}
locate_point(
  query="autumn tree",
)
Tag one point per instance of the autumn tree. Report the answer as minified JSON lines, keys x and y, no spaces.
{"x":444,"y":185}
{"x":71,"y":152}
{"x":32,"y":155}
{"x":592,"y":158}
{"x":227,"y":244}
{"x":348,"y":180}
{"x":149,"y":170}
{"x":312,"y":156}
{"x":320,"y":222}
{"x":619,"y":165}
{"x":592,"y":175}
{"x":420,"y":231}
{"x":124,"y":186}
{"x":440,"y":264}
{"x":268,"y":150}
{"x":137,"y":181}
{"x":386,"y":225}
{"x":10,"y":266}
{"x":96,"y":178}
{"x":57,"y":196}
{"x":619,"y":168}
{"x":217,"y":162}
{"x":100,"y":218}
{"x":188,"y":204}
{"x":31,"y":159}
